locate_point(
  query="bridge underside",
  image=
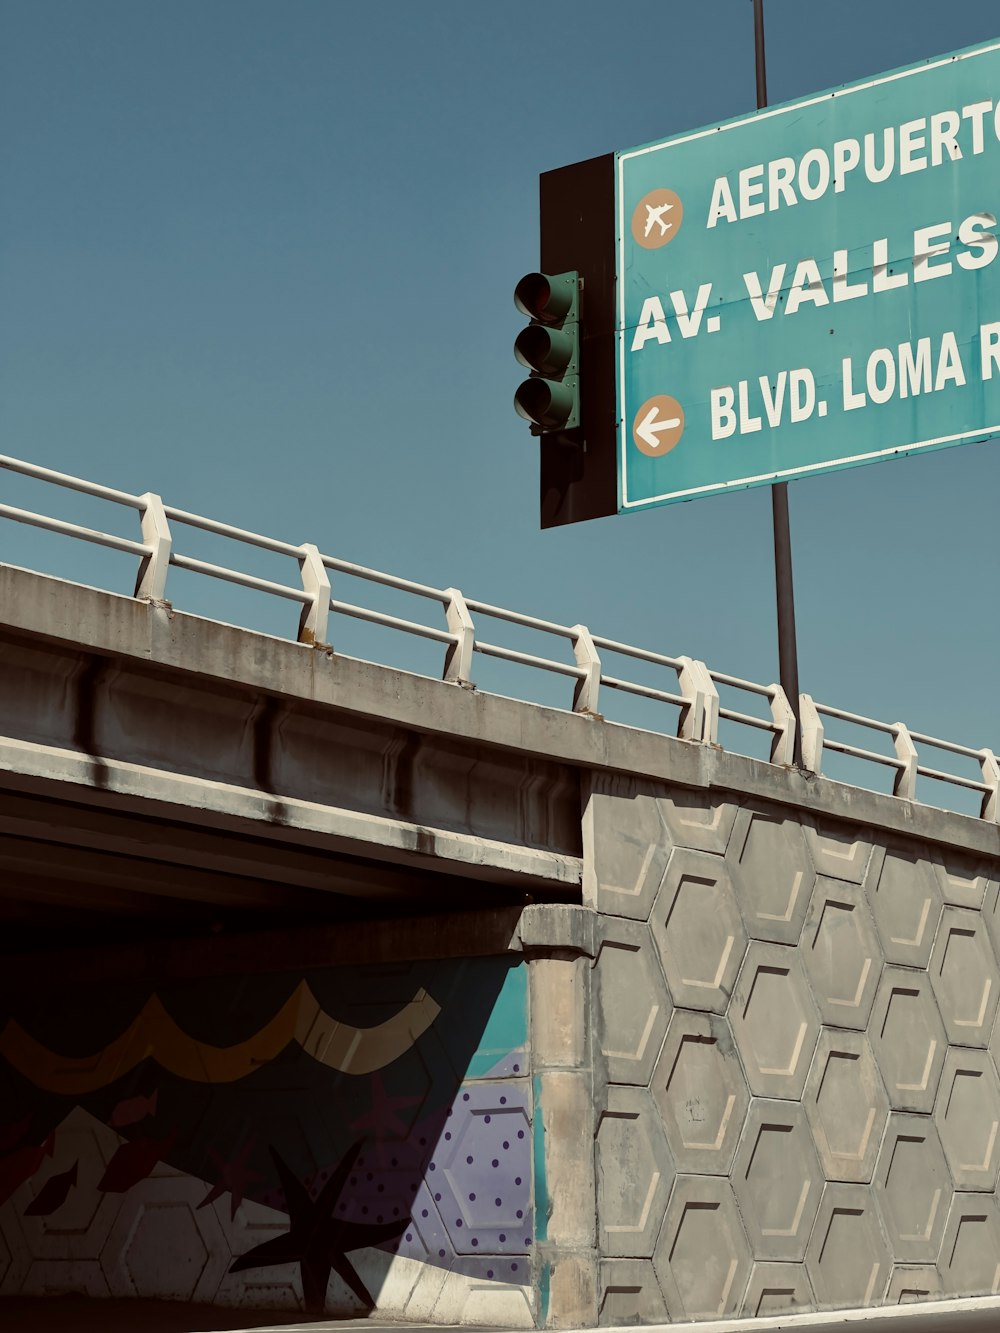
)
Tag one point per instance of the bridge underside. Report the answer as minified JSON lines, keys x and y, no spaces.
{"x":76,"y":872}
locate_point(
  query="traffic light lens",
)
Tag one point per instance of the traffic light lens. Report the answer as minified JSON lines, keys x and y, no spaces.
{"x":535,"y":297}
{"x":545,"y":403}
{"x":546,"y":351}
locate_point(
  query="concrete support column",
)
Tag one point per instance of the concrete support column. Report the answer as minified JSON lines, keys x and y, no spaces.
{"x":559,"y":943}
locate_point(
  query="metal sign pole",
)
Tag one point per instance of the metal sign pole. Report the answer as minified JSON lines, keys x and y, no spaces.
{"x":788,"y":658}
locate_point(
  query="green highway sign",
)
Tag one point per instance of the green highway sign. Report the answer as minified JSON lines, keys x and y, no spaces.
{"x":811,"y":287}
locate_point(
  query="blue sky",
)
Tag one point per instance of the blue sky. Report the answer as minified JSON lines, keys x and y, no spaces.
{"x":259,"y":257}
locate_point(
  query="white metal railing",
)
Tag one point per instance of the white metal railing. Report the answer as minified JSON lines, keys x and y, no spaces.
{"x":695,"y":694}
{"x":905,"y":761}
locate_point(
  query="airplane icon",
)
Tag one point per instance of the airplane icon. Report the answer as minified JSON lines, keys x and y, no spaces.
{"x":654,"y":217}
{"x":657,"y":218}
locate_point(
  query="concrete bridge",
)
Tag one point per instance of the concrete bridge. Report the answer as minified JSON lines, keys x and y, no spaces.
{"x":334,"y":987}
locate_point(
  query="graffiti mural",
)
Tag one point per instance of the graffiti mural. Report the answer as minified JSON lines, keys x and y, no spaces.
{"x":351,"y":1139}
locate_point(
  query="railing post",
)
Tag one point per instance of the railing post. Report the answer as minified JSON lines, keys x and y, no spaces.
{"x":692,"y":720}
{"x":315,"y":615}
{"x":991,"y":776}
{"x":587,"y":689}
{"x":458,"y":658}
{"x":812,"y":735}
{"x":711,"y":733}
{"x":783,"y":740}
{"x":700,"y":720}
{"x":151,"y":581}
{"x":905,"y":784}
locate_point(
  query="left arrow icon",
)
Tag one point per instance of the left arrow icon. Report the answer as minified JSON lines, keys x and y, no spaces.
{"x":650,"y":427}
{"x":658,"y":425}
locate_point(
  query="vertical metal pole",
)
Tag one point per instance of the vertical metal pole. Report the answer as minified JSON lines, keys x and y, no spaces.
{"x":758,"y":51}
{"x":788,"y":658}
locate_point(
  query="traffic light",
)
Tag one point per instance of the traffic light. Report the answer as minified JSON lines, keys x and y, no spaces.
{"x":550,"y":348}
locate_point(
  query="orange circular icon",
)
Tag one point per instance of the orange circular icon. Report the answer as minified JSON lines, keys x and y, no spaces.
{"x":658,"y":425}
{"x":657,"y":219}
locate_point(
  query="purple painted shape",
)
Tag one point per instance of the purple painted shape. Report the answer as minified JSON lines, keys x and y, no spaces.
{"x":482,"y":1170}
{"x":513,"y":1268}
{"x":384,"y":1182}
{"x":426,"y":1238}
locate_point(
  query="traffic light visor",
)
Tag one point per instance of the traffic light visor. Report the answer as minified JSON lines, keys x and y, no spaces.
{"x":548,"y":404}
{"x":545,"y":299}
{"x":545,"y":351}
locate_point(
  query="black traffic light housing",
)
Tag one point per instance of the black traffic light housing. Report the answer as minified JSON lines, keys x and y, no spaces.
{"x":550,"y":349}
{"x":578,"y":466}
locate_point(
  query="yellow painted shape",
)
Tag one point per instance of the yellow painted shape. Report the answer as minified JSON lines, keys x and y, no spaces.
{"x":153,"y":1034}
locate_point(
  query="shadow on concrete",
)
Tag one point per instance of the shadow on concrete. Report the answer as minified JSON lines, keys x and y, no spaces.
{"x":79,"y":1314}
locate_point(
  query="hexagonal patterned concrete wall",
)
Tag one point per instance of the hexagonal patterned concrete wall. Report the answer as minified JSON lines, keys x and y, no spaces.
{"x":777,"y":1179}
{"x":814,"y":1008}
{"x":633,"y":1174}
